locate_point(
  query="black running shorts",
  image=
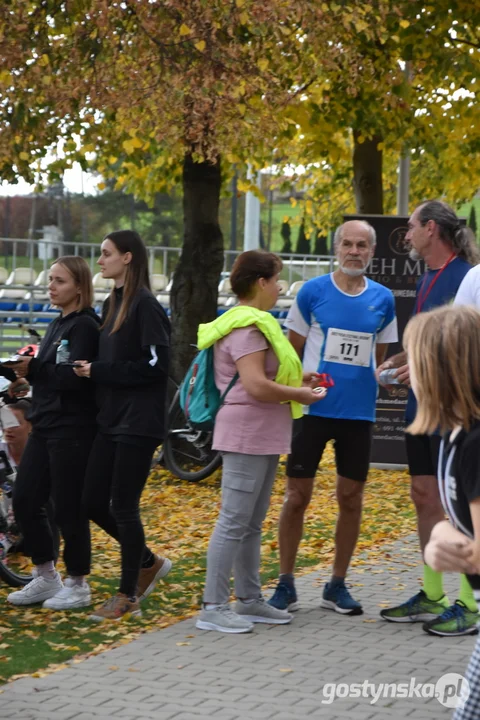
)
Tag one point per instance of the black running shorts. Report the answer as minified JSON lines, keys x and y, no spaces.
{"x":352,"y":443}
{"x":422,"y":453}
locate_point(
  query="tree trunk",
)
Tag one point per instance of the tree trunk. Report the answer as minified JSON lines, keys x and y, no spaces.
{"x":367,"y":175}
{"x":194,"y":293}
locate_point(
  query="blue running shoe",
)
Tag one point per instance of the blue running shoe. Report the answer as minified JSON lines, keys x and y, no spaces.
{"x":339,"y":599}
{"x":284,"y":597}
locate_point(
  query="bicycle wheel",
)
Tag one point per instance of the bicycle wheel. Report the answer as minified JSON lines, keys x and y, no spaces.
{"x":172,"y":389}
{"x":187,"y":452}
{"x":15,"y":568}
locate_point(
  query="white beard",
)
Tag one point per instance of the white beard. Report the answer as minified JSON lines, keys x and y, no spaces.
{"x":414,"y":254}
{"x":354,"y":272}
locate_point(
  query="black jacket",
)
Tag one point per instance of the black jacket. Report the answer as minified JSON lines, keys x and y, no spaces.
{"x":132,"y":369}
{"x":60,"y":399}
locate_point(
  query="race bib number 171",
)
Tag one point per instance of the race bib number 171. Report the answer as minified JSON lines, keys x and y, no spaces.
{"x":348,"y":348}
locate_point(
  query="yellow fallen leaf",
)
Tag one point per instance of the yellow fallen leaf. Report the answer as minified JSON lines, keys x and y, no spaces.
{"x":182,"y":643}
{"x":179,"y":519}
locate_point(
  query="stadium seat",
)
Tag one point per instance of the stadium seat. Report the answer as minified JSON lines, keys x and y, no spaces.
{"x":20,"y":276}
{"x":164,"y":297}
{"x":40,"y":288}
{"x":159,"y":283}
{"x":286,"y":301}
{"x":164,"y":300}
{"x":225,"y":295}
{"x":283,"y":285}
{"x":101,"y":287}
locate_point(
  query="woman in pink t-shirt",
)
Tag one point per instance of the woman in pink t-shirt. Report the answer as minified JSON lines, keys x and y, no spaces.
{"x":253,"y":427}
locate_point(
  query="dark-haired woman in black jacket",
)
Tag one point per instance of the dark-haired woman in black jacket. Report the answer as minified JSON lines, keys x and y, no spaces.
{"x":131,"y":379}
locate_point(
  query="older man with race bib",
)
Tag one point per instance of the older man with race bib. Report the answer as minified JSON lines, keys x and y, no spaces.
{"x":341,"y":323}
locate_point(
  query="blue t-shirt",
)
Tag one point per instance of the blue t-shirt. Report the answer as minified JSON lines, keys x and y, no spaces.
{"x":441,"y":293}
{"x":341,"y":331}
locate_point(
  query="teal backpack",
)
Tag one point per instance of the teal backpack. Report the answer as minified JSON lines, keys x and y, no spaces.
{"x":200,"y":399}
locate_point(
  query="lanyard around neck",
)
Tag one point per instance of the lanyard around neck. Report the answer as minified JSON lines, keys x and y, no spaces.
{"x":424,"y":293}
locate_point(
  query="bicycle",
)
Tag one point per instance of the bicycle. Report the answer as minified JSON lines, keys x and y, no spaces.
{"x":186,"y":452}
{"x":14,"y":566}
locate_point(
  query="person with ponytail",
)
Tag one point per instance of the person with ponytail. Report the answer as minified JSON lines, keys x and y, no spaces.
{"x":131,"y":381}
{"x":448,"y":248}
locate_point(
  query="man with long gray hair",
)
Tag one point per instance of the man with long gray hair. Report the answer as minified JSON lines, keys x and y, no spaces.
{"x":341,"y":324}
{"x":436,"y":236}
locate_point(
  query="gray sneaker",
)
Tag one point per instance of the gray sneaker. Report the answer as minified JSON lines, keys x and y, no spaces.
{"x":260,"y":611}
{"x":224,"y":620}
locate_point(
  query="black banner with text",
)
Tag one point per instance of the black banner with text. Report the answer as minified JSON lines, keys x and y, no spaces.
{"x":392,"y":267}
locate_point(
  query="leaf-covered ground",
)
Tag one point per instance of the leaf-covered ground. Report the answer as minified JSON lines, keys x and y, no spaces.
{"x":179,"y":518}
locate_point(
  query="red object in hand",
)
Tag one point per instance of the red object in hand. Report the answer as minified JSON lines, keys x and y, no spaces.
{"x":325,"y":380}
{"x":28,"y":351}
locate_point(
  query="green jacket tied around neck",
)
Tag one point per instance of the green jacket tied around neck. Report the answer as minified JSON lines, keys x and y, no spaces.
{"x":290,"y":368}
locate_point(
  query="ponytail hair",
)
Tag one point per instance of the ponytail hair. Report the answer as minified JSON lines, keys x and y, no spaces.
{"x":459,"y":237}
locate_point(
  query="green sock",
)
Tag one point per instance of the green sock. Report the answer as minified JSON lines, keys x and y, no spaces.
{"x":432,"y":584}
{"x":466,"y":594}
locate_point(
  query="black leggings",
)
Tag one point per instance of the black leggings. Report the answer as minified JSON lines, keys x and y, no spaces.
{"x":115,"y":478}
{"x":54,"y":468}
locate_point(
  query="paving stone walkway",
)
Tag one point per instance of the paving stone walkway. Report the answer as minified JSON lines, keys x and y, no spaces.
{"x":278,"y":673}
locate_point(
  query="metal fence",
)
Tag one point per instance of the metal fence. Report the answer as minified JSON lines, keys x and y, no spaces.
{"x":40,"y":254}
{"x":23,"y":307}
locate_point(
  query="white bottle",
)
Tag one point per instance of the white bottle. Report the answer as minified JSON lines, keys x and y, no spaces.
{"x":63,"y":352}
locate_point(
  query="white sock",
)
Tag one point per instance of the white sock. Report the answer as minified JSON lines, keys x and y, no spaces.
{"x":249,"y":601}
{"x":47,"y":570}
{"x":78,"y":580}
{"x":211,"y":606}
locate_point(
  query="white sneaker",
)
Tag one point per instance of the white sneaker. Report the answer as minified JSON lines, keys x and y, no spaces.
{"x":70,"y":596}
{"x":39,"y":589}
{"x":259,"y":611}
{"x":222,"y":619}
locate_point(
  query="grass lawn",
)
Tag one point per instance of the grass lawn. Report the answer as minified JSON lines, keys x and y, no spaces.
{"x":179,"y":518}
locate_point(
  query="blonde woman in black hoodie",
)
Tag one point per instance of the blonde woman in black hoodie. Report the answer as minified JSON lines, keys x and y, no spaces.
{"x":54,"y":460}
{"x":131,"y":378}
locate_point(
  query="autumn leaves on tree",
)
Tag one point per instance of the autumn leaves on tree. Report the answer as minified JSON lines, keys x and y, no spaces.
{"x":148,"y":93}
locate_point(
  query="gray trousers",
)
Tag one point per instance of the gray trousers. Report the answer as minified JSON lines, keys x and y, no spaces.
{"x":247,"y":482}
